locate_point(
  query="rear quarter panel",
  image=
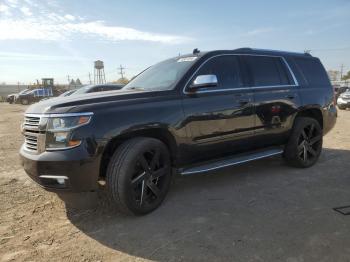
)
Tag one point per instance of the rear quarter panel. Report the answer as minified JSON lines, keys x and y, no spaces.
{"x":320,"y":96}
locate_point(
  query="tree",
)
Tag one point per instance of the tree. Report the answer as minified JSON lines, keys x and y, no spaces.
{"x":78,"y":82}
{"x":347,"y":76}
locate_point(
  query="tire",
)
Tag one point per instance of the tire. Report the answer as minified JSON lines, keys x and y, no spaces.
{"x":305,"y":143}
{"x":341,"y":107}
{"x":24,"y":101}
{"x":139,"y":175}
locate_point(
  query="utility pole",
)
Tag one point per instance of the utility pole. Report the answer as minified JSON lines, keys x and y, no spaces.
{"x":121,"y":68}
{"x":18,"y":87}
{"x":68,"y":82}
{"x":341,"y":71}
{"x":90,"y":78}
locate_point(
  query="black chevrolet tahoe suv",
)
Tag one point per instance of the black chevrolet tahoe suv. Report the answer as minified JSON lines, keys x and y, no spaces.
{"x":189,"y":114}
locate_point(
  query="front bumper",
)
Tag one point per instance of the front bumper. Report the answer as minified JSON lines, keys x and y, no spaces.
{"x":79,"y":169}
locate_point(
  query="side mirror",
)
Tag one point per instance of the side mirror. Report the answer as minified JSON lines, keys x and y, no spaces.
{"x":204,"y":81}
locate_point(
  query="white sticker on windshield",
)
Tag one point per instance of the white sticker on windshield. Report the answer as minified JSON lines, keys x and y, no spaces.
{"x":187,"y":59}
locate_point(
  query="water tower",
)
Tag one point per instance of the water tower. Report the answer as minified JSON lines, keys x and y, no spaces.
{"x":99,"y":72}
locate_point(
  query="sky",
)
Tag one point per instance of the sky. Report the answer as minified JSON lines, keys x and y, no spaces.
{"x":61,"y":38}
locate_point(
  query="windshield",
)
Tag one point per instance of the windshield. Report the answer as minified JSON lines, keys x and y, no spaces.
{"x":162,"y":76}
{"x":24,"y":91}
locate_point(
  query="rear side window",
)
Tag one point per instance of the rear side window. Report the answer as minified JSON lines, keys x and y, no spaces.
{"x":267,"y":71}
{"x":312,"y":70}
{"x":226,"y":69}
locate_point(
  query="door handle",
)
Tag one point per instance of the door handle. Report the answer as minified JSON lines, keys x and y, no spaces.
{"x":290,"y":97}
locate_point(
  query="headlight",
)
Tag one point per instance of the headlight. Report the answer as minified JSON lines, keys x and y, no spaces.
{"x":59,"y":130}
{"x":340,"y":100}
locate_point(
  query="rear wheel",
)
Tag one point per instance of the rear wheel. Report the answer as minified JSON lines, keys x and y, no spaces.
{"x":341,"y":107}
{"x":139,"y":175}
{"x":305,"y":143}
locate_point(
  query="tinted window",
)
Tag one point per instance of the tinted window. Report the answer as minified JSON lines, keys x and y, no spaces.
{"x":226,"y":69}
{"x":267,"y":71}
{"x":312,"y":71}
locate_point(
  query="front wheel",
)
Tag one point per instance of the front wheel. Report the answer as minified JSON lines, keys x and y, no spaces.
{"x":305,"y":143}
{"x":341,"y":107}
{"x":139,"y":175}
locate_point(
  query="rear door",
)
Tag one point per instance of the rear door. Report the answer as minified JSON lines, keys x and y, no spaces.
{"x":276,"y":98}
{"x":219,"y":118}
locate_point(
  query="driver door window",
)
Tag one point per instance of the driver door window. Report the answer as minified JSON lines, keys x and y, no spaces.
{"x":226,"y":69}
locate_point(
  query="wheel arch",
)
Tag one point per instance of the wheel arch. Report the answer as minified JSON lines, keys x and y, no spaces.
{"x":161,"y":134}
{"x":312,"y":112}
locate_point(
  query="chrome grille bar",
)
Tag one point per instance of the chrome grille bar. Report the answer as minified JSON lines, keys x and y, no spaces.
{"x":31,"y":132}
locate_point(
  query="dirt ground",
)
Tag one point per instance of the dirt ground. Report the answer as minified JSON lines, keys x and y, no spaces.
{"x":261,"y":211}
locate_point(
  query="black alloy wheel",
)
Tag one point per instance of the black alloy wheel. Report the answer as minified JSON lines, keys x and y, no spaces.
{"x":149,"y":177}
{"x":309,"y":143}
{"x":305,"y":143}
{"x":139,"y":175}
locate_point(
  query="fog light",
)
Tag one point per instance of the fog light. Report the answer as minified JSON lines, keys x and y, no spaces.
{"x":60,"y":181}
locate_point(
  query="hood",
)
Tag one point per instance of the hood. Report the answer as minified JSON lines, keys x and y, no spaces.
{"x":91,"y":101}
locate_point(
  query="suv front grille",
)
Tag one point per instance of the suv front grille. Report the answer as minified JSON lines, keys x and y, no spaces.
{"x":32,"y":133}
{"x":31,"y":142}
{"x":31,"y":122}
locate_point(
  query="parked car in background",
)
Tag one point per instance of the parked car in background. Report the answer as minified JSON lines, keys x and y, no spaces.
{"x":189,"y":114}
{"x":340,"y":90}
{"x":92,"y":89}
{"x":96,"y":88}
{"x":67,"y":93}
{"x":33,"y":96}
{"x":343,"y":100}
{"x":12,"y":97}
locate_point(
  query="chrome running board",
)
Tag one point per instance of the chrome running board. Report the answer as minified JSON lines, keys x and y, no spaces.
{"x":229,"y":161}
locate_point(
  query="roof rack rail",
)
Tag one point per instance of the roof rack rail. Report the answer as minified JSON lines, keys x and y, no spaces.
{"x":244,"y":49}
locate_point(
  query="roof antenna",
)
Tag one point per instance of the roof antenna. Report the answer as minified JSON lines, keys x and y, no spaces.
{"x":196,"y":51}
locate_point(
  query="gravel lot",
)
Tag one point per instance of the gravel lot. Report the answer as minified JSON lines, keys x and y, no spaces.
{"x":262,"y":211}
